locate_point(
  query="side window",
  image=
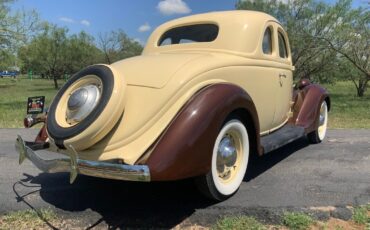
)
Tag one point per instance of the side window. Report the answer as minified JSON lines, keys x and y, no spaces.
{"x":282,"y":46}
{"x":267,"y":41}
{"x":167,"y":41}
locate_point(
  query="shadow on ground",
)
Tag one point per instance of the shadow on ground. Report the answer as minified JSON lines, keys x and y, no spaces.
{"x":134,"y":204}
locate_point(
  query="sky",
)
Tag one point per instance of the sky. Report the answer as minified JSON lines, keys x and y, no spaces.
{"x":137,"y":18}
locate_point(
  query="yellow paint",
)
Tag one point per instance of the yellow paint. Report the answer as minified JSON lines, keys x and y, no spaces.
{"x":162,"y":79}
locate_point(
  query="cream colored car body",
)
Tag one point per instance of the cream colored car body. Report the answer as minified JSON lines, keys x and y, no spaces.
{"x":164,"y":78}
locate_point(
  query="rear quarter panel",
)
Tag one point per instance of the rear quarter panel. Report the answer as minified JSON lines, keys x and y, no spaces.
{"x":185,"y":148}
{"x":149,"y":111}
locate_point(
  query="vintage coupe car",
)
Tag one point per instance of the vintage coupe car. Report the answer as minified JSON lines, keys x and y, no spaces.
{"x":208,"y":92}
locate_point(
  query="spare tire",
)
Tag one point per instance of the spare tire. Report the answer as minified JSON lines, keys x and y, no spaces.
{"x":87,"y":107}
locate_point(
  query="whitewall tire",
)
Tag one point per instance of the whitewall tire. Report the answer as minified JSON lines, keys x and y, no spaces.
{"x":319,"y":134}
{"x":229,"y":162}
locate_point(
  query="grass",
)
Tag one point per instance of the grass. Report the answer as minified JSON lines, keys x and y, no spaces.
{"x":27,"y":219}
{"x":46,"y":218}
{"x":347,"y":110}
{"x":13,"y":98}
{"x":238,"y":223}
{"x":297,"y":221}
{"x":360,"y":215}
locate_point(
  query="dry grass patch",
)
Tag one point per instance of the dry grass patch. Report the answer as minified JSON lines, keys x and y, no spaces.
{"x":27,"y":219}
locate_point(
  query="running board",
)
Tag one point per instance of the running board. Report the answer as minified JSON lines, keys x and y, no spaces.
{"x":288,"y":133}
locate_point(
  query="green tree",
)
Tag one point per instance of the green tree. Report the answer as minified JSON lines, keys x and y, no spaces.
{"x":305,"y":21}
{"x":81,"y":52}
{"x":116,"y":45}
{"x":7,"y":59}
{"x":321,"y":35}
{"x":46,"y":53}
{"x":15,"y":29}
{"x":53,"y":53}
{"x":352,"y":42}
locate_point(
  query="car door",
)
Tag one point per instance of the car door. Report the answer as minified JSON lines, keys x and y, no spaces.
{"x":263,"y":89}
{"x":285,"y":78}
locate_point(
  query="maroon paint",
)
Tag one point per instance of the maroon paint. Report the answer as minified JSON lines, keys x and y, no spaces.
{"x":303,"y":83}
{"x":185,"y":148}
{"x":42,"y":135}
{"x":307,"y":106}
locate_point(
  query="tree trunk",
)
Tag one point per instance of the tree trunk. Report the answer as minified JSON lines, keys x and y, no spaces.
{"x":107,"y":58}
{"x":55,"y":82}
{"x":362,"y":86}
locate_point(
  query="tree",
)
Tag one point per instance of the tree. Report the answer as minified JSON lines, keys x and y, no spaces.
{"x":116,"y":45}
{"x":53,"y":53}
{"x":109,"y":44}
{"x":353,"y":44}
{"x":321,"y":35}
{"x":305,"y":21}
{"x":81,"y":52}
{"x":15,"y":29}
{"x":7,"y":59}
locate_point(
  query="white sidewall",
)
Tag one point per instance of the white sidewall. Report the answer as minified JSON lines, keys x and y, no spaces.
{"x":322,"y":128}
{"x":230,"y":187}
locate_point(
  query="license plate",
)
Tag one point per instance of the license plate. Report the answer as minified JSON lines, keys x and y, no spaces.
{"x":35,"y":105}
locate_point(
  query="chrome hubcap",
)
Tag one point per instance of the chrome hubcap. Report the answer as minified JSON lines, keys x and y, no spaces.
{"x":226,"y":156}
{"x":77,"y":99}
{"x":82,"y":102}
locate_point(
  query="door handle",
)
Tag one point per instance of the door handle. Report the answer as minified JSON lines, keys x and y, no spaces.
{"x":282,"y":75}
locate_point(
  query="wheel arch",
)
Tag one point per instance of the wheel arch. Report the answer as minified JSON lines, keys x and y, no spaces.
{"x":307,"y":106}
{"x":185,"y":148}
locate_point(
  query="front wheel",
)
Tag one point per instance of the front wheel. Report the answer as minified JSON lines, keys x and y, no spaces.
{"x":229,"y":162}
{"x":319,"y":134}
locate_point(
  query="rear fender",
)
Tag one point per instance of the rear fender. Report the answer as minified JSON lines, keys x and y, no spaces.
{"x":185,"y":148}
{"x":307,"y":106}
{"x":42,"y":136}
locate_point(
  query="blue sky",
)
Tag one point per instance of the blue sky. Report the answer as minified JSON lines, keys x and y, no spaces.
{"x":136,"y":17}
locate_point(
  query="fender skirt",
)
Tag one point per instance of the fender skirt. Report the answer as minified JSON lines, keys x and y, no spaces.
{"x":185,"y":148}
{"x":307,"y":106}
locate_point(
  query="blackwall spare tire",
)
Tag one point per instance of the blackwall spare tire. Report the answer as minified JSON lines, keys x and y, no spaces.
{"x":87,"y":107}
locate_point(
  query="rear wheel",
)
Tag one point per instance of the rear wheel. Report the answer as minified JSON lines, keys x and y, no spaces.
{"x":319,"y":134}
{"x":229,"y":162}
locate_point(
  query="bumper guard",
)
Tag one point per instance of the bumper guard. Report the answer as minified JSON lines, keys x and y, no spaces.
{"x":77,"y":166}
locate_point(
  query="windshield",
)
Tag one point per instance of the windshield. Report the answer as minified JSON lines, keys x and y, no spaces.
{"x":189,"y":34}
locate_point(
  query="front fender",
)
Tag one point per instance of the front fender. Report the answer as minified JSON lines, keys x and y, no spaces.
{"x":185,"y":148}
{"x":307,"y":106}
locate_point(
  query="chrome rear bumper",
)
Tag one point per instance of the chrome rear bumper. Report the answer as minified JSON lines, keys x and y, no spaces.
{"x":77,"y":166}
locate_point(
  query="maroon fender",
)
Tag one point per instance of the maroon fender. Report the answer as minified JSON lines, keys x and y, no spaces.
{"x":185,"y":148}
{"x":308,"y":100}
{"x":42,"y":135}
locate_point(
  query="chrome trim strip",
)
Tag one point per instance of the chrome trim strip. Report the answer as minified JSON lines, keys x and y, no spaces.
{"x":77,"y":166}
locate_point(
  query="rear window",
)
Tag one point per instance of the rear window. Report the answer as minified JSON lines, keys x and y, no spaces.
{"x":189,"y":34}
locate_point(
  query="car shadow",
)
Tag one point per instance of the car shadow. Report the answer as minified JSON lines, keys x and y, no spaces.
{"x":258,"y":165}
{"x":137,"y":204}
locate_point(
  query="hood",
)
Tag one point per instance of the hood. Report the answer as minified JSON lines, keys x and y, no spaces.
{"x":153,"y":70}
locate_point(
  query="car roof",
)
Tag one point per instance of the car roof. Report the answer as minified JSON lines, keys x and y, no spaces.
{"x":237,"y":24}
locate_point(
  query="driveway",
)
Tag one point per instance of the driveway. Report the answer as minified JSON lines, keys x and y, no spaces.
{"x":296,"y":177}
